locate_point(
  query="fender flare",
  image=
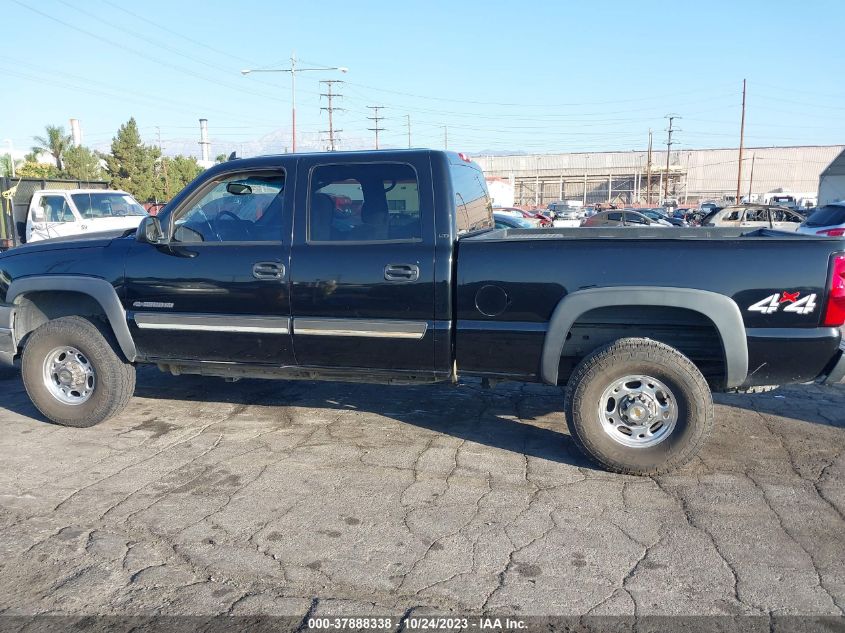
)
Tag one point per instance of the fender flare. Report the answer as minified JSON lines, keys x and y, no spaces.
{"x":721,"y":310}
{"x":99,"y":289}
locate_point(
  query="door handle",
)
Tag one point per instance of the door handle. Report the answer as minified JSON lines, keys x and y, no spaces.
{"x":401,"y":272}
{"x":268,"y":270}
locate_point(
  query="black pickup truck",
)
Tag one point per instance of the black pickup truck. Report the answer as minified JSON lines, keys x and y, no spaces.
{"x":385,"y":267}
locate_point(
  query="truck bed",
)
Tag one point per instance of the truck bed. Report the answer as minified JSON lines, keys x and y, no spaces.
{"x":532,"y":270}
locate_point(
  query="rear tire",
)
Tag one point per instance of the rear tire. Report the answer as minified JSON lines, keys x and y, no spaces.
{"x":637,"y":406}
{"x":74,"y":374}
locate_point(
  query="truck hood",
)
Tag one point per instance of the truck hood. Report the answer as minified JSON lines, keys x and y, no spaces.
{"x":90,"y":240}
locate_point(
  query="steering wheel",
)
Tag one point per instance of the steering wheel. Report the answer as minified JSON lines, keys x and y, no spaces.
{"x":243,"y":226}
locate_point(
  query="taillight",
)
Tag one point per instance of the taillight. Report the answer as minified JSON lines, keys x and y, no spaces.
{"x":832,"y":232}
{"x":834,"y":314}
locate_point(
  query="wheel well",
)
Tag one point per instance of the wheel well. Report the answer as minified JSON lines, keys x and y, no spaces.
{"x":688,"y":331}
{"x":34,"y":309}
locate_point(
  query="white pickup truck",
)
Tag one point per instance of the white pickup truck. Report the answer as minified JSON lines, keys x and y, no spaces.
{"x":62,"y":213}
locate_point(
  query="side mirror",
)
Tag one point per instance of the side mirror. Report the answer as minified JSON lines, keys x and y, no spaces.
{"x":38,"y":214}
{"x":149,"y":231}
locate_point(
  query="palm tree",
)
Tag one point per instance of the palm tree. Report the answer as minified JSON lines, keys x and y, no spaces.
{"x":55,"y":143}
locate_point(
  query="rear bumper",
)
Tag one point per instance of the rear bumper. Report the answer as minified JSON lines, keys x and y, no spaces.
{"x":837,"y":372}
{"x":8,"y":345}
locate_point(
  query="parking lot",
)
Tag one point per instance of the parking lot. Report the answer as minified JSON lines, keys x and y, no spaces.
{"x":292,"y":498}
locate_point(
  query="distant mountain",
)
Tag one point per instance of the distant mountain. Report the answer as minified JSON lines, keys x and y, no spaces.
{"x":499,"y":152}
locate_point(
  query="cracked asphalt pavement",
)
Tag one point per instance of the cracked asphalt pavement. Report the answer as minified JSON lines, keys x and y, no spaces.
{"x":285,"y":498}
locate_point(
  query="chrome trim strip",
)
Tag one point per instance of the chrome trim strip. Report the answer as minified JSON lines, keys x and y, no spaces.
{"x":366,"y":328}
{"x":213,"y":323}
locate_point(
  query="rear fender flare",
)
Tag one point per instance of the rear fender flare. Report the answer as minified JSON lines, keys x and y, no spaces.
{"x":721,"y":310}
{"x":99,"y":289}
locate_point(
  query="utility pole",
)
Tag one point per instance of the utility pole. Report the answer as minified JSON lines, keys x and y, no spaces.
{"x":671,"y":118}
{"x":293,"y":70}
{"x":408,"y":123}
{"x":741,"y":143}
{"x":445,"y":137}
{"x":751,"y":179}
{"x":330,"y":94}
{"x":648,"y":173}
{"x":375,"y":119}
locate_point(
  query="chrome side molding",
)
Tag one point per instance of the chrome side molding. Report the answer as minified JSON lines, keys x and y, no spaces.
{"x":213,"y":323}
{"x":366,"y":328}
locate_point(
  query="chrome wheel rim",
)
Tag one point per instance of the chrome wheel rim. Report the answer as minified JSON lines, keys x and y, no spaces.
{"x":69,"y":375}
{"x":638,"y":411}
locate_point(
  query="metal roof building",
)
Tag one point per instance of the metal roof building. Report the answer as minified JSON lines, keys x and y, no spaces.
{"x":694,"y":175}
{"x":832,"y":181}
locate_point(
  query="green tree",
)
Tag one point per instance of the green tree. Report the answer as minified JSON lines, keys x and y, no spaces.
{"x":176,"y":172}
{"x":132,"y":165}
{"x":83,"y":164}
{"x":221,"y":158}
{"x":37,"y":170}
{"x":6,"y":165}
{"x":55,"y":143}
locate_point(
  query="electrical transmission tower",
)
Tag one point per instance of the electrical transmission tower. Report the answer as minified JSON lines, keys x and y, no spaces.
{"x":330,"y":95}
{"x":375,"y":119}
{"x":669,"y":144}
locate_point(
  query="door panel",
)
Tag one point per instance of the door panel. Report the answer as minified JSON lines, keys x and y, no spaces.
{"x":219,"y":291}
{"x":362,"y":266}
{"x":202,"y":302}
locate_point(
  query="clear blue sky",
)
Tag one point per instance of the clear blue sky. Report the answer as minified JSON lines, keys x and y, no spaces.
{"x":541,"y":76}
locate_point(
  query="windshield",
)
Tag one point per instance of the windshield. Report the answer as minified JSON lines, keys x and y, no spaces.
{"x":827,"y":216}
{"x":108,"y":204}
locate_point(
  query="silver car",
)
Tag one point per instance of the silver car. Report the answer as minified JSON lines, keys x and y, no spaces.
{"x":755,"y":216}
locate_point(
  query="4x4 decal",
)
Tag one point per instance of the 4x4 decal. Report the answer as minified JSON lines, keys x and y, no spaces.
{"x":772,"y":303}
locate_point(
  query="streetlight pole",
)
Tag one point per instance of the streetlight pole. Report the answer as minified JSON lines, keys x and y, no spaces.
{"x":293,"y":70}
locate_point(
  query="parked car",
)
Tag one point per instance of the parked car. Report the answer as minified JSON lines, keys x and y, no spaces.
{"x":755,"y":216}
{"x":568,"y":213}
{"x":535,"y":218}
{"x":621,"y":217}
{"x":80,"y":211}
{"x":657,"y":216}
{"x":511,"y":221}
{"x":415,"y":288}
{"x":827,"y":220}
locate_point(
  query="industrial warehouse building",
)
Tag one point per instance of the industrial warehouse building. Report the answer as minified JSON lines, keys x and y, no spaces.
{"x":832,"y":181}
{"x":693,"y":175}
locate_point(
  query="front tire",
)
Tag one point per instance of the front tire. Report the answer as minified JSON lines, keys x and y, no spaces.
{"x":637,"y":406}
{"x":74,"y":374}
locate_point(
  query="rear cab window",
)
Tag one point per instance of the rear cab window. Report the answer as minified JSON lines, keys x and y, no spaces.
{"x":473,"y":206}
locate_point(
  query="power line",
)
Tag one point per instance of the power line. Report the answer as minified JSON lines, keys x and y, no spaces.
{"x":330,"y":95}
{"x":375,"y":119}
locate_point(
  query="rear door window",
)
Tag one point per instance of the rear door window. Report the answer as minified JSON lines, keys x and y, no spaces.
{"x":368,"y":202}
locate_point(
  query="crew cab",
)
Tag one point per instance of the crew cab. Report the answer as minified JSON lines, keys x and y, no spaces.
{"x":57,"y":213}
{"x":386,"y":267}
